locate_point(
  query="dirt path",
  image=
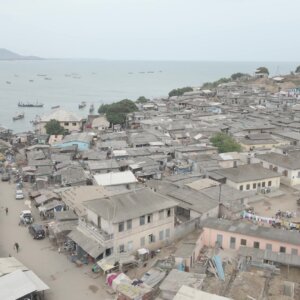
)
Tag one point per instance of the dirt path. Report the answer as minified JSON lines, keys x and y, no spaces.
{"x":66,"y":281}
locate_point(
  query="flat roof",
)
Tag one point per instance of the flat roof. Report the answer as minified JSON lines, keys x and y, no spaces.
{"x":115,"y":178}
{"x":189,"y":293}
{"x":289,"y":161}
{"x":10,"y":264}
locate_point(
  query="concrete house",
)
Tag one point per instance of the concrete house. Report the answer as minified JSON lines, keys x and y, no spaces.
{"x":234,"y":235}
{"x":81,"y":140}
{"x":250,"y":177}
{"x":286,"y":165}
{"x":67,"y":120}
{"x":132,"y":220}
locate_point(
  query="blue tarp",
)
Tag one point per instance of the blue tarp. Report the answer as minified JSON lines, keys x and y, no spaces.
{"x":218,"y":263}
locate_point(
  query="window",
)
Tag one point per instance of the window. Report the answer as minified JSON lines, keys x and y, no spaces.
{"x":282,"y":249}
{"x":219,"y":240}
{"x":254,"y":185}
{"x":169,"y":213}
{"x":129,"y":224}
{"x":151,"y":238}
{"x":270,"y":183}
{"x":232,"y":243}
{"x":269,"y":247}
{"x":66,"y":123}
{"x":248,"y":186}
{"x":256,"y":245}
{"x":74,"y":124}
{"x":161,"y":235}
{"x":121,"y":226}
{"x":294,"y":251}
{"x":142,"y":241}
{"x":130,"y":246}
{"x":142,"y":220}
{"x":149,"y":219}
{"x":167,"y":233}
{"x":121,"y":248}
{"x":243,"y":242}
{"x":161,"y":214}
{"x":298,"y":174}
{"x":263,"y":184}
{"x":241,"y":187}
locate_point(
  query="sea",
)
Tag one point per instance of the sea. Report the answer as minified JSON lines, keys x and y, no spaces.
{"x":69,"y":82}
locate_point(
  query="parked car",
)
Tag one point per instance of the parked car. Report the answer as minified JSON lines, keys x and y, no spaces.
{"x":19,"y":194}
{"x":5,"y":177}
{"x":26,"y":217}
{"x":37,"y":231}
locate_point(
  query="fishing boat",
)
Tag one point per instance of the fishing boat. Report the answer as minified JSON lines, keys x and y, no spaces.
{"x":18,"y":117}
{"x":28,"y":104}
{"x":31,"y":80}
{"x":92,"y":108}
{"x":8,"y":82}
{"x":82,"y":105}
{"x":56,"y":106}
{"x":48,"y":78}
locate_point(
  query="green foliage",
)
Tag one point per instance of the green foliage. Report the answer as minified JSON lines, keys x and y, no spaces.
{"x":238,"y":75}
{"x":142,"y":99}
{"x":225,"y":143}
{"x":211,"y":85}
{"x":116,"y":112}
{"x":54,"y":127}
{"x":181,"y":91}
{"x":262,"y":70}
{"x":297,"y":69}
{"x":103,"y":108}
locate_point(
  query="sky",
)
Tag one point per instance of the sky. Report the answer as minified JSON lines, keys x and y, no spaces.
{"x":202,"y":30}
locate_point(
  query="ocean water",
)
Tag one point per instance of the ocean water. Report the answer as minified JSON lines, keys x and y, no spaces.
{"x":97,"y":81}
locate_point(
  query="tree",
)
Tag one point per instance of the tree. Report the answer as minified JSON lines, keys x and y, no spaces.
{"x":181,"y":91}
{"x":53,"y":127}
{"x":142,"y":99}
{"x":297,"y":69}
{"x":262,"y":70}
{"x":238,"y":75}
{"x":225,"y":143}
{"x":116,"y":112}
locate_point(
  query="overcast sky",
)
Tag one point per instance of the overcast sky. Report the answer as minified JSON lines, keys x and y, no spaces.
{"x":229,"y":30}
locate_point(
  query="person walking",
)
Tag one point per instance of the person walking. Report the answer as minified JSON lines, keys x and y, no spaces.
{"x":17,"y":247}
{"x":6,"y":210}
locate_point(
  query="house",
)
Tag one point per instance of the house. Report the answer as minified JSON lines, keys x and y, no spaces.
{"x":116,"y":180}
{"x":69,"y":121}
{"x":103,"y":166}
{"x":100,"y":123}
{"x":235,"y":235}
{"x":82,"y":140}
{"x":258,"y":141}
{"x":287,"y":165}
{"x":128,"y":221}
{"x":250,"y":177}
{"x":71,"y":175}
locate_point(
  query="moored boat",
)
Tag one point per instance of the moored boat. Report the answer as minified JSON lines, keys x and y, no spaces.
{"x":92,"y":108}
{"x":56,"y":106}
{"x":18,"y":117}
{"x":28,"y":104}
{"x":82,"y":105}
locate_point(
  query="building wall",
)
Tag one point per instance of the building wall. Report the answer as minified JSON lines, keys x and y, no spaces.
{"x":288,"y":176}
{"x":275,"y":184}
{"x":137,"y":232}
{"x":210,"y":238}
{"x":70,"y":126}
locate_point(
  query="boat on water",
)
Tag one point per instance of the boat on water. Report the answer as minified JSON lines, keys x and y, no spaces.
{"x":41,"y":75}
{"x":31,"y":80}
{"x":92,"y":108}
{"x":8,"y":82}
{"x":82,"y":105}
{"x":28,"y":104}
{"x":56,"y":106}
{"x":18,"y":117}
{"x":47,"y":78}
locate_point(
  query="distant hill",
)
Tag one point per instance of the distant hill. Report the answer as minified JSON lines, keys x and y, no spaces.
{"x":9,"y":55}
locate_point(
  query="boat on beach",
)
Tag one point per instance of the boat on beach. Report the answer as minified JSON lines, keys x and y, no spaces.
{"x":82,"y":105}
{"x":18,"y":117}
{"x":28,"y":104}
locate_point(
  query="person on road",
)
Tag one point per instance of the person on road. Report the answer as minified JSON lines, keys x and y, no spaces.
{"x":17,"y":247}
{"x":6,"y":210}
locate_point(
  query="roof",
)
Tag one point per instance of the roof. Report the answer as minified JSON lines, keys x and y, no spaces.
{"x":61,"y":116}
{"x":201,"y":184}
{"x":18,"y":284}
{"x":188,"y":293}
{"x":86,"y":242}
{"x":290,"y":161}
{"x":115,"y":178}
{"x":10,"y":264}
{"x":248,"y":229}
{"x":82,"y":137}
{"x":129,"y":205}
{"x":249,"y":172}
{"x":291,"y":135}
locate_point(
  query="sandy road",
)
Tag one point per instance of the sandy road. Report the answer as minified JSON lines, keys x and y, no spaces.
{"x":66,"y":281}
